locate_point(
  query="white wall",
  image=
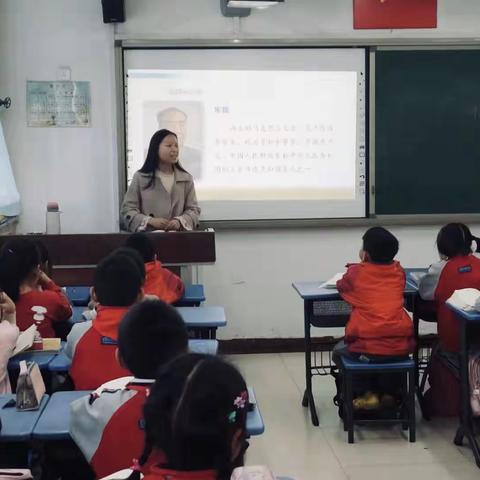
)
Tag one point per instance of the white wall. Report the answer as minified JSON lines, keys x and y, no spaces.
{"x":295,"y":19}
{"x":254,"y":271}
{"x":78,"y":167}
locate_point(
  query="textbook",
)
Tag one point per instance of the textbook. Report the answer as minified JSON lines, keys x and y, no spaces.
{"x":467,"y":299}
{"x":25,"y":340}
{"x":332,"y":283}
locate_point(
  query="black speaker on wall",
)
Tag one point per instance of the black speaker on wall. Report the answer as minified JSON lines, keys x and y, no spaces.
{"x":113,"y":11}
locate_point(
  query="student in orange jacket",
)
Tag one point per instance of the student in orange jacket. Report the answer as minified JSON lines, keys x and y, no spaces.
{"x":159,"y":281}
{"x":378,"y":326}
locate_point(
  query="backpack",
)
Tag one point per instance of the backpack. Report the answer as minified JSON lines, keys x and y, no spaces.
{"x":442,"y":399}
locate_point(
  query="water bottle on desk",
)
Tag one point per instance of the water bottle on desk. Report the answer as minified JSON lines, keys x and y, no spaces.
{"x":53,"y":219}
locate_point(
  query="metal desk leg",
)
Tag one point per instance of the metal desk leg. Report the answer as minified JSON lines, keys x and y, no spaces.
{"x":465,"y":429}
{"x":419,"y":393}
{"x":308,"y":400}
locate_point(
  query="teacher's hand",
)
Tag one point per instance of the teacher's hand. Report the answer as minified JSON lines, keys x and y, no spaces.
{"x":173,"y":224}
{"x":158,"y":223}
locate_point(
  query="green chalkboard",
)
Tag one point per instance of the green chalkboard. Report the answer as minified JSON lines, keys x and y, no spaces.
{"x":427,"y":131}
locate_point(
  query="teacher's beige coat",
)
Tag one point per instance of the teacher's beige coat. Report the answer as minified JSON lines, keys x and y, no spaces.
{"x":140,"y":202}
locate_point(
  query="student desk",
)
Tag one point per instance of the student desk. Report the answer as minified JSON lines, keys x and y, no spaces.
{"x":319,"y":311}
{"x":77,"y":314}
{"x":61,"y":363}
{"x":79,"y":297}
{"x":18,"y":426}
{"x":203,"y":321}
{"x":466,"y":427}
{"x":43,"y":359}
{"x":193,"y":296}
{"x":54,"y":423}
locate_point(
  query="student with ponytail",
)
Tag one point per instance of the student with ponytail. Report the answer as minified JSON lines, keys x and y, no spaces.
{"x":458,"y":268}
{"x":196,"y":416}
{"x":38,"y":300}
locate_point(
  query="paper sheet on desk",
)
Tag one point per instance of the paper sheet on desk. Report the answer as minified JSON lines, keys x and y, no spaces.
{"x":467,"y":299}
{"x":120,"y":475}
{"x":332,"y":283}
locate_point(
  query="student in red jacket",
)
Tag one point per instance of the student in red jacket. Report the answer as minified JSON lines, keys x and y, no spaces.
{"x":92,"y":345}
{"x":159,"y":281}
{"x":196,"y":415}
{"x":379,"y":328}
{"x":150,"y":334}
{"x":38,"y":300}
{"x":458,"y":268}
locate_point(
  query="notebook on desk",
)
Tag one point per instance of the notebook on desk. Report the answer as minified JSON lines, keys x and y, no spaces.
{"x":332,"y":282}
{"x":25,"y":340}
{"x":467,"y":299}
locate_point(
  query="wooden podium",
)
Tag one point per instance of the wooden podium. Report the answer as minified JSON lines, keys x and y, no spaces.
{"x":75,"y":256}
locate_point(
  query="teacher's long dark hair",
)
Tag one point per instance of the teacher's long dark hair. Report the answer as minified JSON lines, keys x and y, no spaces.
{"x":151,"y":162}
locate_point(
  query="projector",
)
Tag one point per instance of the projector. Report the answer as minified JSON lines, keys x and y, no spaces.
{"x":252,"y":3}
{"x":241,"y":8}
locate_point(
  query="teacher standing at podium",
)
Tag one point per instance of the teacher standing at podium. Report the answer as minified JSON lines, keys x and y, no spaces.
{"x":161,"y":195}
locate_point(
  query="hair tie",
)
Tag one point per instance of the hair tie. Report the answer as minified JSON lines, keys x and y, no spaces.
{"x":136,"y":465}
{"x":239,"y":403}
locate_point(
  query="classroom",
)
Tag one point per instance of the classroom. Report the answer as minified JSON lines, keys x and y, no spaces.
{"x":395,"y":122}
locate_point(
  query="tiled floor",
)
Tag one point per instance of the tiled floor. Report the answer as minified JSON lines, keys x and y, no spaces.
{"x":292,"y":446}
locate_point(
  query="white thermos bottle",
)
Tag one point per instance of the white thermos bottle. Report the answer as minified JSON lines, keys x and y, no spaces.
{"x":53,"y":219}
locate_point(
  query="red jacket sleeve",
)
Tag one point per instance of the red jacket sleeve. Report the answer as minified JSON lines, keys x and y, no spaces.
{"x":346,"y":285}
{"x":61,"y":308}
{"x":175,"y":287}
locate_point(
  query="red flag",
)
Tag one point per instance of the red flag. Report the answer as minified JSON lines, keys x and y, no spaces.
{"x":394,"y":14}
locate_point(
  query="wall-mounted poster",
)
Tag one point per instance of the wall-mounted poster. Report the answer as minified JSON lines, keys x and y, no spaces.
{"x":58,"y":104}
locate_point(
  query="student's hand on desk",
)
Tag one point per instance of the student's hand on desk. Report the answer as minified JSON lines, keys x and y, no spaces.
{"x":7,"y":308}
{"x":157,"y":223}
{"x":173,"y":225}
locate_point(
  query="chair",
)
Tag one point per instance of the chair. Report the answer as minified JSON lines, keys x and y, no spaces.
{"x":350,"y":367}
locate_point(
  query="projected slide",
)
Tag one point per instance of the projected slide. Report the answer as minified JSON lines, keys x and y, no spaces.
{"x":259,"y":143}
